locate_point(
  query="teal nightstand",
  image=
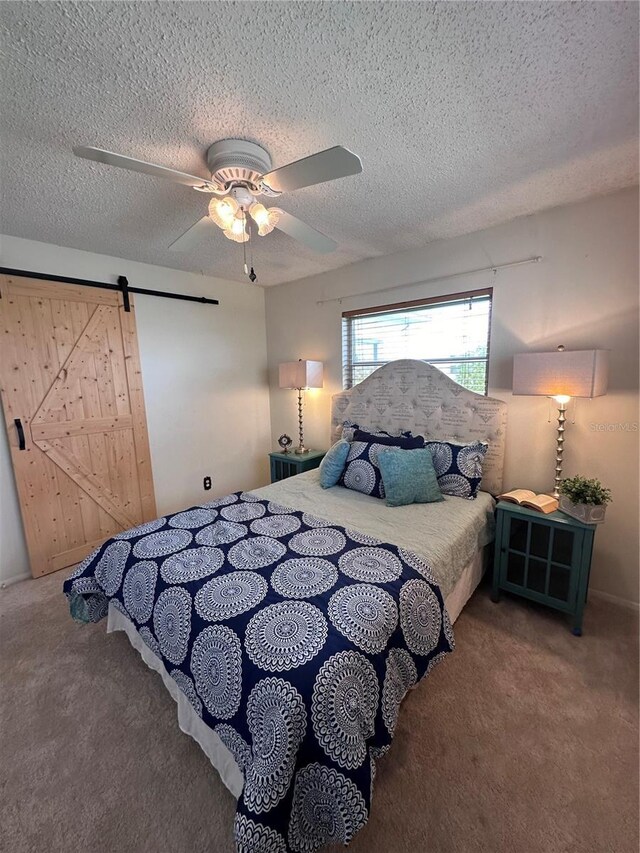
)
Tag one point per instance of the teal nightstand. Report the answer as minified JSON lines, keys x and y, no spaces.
{"x":285,"y":465}
{"x":546,"y":558}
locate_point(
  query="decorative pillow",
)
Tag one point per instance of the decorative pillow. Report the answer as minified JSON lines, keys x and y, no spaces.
{"x":406,"y":440}
{"x":361,"y":472}
{"x":333,"y":463}
{"x":458,"y":466}
{"x":349,"y":428}
{"x":408,"y":476}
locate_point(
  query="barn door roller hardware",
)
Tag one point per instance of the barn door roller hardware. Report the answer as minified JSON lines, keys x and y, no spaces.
{"x":122,"y":287}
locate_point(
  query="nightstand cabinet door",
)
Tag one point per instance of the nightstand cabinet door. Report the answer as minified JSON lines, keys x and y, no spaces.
{"x":545,"y":558}
{"x":285,"y":465}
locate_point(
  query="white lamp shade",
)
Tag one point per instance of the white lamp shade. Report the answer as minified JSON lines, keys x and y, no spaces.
{"x":577,"y":373}
{"x":300,"y":374}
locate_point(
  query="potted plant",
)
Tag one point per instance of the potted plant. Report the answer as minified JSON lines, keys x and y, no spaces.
{"x":584,"y":499}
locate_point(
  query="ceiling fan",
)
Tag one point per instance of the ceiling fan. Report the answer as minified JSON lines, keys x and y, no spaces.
{"x":241,"y":172}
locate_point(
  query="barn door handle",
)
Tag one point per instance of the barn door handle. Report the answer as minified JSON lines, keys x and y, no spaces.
{"x":21,"y":442}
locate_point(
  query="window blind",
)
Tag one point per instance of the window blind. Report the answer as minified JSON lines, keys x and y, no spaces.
{"x":450,"y":332}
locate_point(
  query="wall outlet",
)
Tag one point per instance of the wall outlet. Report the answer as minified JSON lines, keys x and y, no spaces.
{"x":206,"y":483}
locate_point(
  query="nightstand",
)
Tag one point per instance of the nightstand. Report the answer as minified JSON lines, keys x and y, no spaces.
{"x":546,"y":558}
{"x":285,"y":465}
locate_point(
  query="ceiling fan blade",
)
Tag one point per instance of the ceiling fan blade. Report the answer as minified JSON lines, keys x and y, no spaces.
{"x":336,"y":162}
{"x":111,"y":159}
{"x":305,"y":234}
{"x":199,"y":232}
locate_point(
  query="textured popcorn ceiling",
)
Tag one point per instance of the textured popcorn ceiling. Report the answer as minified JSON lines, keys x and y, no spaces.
{"x":464,"y":115}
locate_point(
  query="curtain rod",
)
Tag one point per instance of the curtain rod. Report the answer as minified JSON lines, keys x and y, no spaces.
{"x":493,"y":269}
{"x":122,"y":286}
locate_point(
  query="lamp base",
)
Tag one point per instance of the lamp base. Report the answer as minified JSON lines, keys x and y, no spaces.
{"x":302,"y":450}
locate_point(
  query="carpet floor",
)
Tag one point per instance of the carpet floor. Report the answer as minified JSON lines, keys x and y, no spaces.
{"x":525,"y":739}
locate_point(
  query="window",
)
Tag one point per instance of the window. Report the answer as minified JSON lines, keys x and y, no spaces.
{"x":451,"y":332}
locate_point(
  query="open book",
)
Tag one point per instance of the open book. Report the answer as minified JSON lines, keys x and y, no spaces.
{"x":525,"y":497}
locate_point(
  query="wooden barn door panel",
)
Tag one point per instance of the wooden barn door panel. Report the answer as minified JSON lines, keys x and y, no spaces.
{"x":70,"y":371}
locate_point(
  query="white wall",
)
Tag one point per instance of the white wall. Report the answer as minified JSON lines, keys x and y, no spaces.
{"x":205,"y":383}
{"x":583,"y":294}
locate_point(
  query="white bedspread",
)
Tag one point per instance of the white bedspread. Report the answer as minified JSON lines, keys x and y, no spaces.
{"x":448,"y":534}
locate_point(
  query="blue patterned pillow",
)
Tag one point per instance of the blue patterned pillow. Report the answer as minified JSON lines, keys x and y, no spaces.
{"x":362,"y":472}
{"x":458,"y":466}
{"x":333,"y":463}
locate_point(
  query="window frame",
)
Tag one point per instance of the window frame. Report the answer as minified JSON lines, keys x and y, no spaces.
{"x":396,"y":307}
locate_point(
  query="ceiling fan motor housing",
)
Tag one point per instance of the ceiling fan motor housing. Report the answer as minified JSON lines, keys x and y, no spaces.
{"x":236,"y":161}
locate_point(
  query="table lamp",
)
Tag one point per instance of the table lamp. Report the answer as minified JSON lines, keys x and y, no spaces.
{"x":562,"y":375}
{"x":298,"y":375}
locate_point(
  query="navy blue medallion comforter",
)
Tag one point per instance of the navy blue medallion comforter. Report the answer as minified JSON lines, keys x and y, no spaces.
{"x":293,"y":638}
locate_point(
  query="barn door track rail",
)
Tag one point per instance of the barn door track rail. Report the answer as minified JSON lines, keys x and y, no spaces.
{"x":122,"y":287}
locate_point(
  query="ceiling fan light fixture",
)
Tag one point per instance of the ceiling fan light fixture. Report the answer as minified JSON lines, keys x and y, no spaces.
{"x":236,"y":231}
{"x":223,"y":211}
{"x":265,"y":219}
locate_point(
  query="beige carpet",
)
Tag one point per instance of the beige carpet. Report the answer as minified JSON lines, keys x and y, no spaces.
{"x":523,"y":741}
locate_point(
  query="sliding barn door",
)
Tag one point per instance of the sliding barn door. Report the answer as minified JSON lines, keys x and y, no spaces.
{"x":72,"y":395}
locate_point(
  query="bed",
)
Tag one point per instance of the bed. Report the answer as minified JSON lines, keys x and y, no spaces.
{"x":289,"y":622}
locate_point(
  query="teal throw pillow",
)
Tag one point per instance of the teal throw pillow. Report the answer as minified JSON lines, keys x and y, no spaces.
{"x":408,"y":476}
{"x":333,"y":463}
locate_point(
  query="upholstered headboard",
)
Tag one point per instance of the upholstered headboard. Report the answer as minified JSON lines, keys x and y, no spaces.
{"x":410,"y":394}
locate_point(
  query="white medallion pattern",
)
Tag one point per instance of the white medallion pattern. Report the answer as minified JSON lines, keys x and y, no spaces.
{"x":141,"y":529}
{"x":417,"y":563}
{"x":172,"y":623}
{"x":216,"y":664}
{"x":256,"y":553}
{"x":192,"y":518}
{"x":455,"y":484}
{"x":186,"y":685}
{"x":150,"y":641}
{"x":278,"y":509}
{"x":277,"y":720}
{"x":276,"y":525}
{"x":162,"y":543}
{"x":313,"y":520}
{"x":371,"y":565}
{"x":470,"y":459}
{"x":327,"y":808}
{"x":344,"y":707}
{"x":435,"y":660}
{"x":364,"y":614}
{"x":285,"y":635}
{"x":242,"y":512}
{"x":236,"y":744}
{"x":419,"y":617}
{"x":229,"y":595}
{"x":252,"y":837}
{"x":362,"y":538}
{"x":400,"y":676}
{"x":139,"y":590}
{"x":357,"y":449}
{"x":111,"y":565}
{"x":442,"y":456}
{"x":319,"y":542}
{"x":304,"y":577}
{"x":191,"y":565}
{"x":374,"y":450}
{"x":221,"y":533}
{"x":360,"y":476}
